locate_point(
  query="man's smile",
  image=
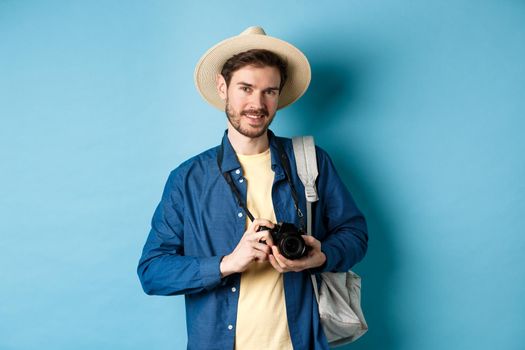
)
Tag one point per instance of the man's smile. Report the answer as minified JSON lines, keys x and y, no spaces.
{"x":254,"y":114}
{"x":254,"y":117}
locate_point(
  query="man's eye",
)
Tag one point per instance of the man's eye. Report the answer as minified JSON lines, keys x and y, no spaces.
{"x":271,"y":92}
{"x":245,"y":89}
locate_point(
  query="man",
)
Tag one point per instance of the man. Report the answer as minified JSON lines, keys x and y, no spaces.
{"x":209,"y":238}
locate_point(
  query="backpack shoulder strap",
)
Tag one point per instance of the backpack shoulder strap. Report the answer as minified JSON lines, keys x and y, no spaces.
{"x":305,"y":158}
{"x":304,"y":151}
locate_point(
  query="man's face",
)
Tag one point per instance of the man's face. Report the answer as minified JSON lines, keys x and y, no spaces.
{"x":251,"y":98}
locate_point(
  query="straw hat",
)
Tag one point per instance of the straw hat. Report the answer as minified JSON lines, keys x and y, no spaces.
{"x":212,"y":61}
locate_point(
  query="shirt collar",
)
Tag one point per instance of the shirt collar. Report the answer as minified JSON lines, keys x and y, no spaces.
{"x":230,"y":161}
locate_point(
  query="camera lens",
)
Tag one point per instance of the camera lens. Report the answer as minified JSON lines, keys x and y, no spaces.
{"x":292,"y":247}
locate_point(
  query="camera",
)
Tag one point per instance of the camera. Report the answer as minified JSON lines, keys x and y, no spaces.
{"x":287,"y":238}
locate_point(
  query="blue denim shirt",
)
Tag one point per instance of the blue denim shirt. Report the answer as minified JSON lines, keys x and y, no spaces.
{"x":198,"y":221}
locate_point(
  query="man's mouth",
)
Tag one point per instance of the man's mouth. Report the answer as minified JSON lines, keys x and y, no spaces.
{"x":254,"y":115}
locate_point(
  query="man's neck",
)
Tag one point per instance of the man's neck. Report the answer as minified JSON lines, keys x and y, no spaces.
{"x":246,"y":145}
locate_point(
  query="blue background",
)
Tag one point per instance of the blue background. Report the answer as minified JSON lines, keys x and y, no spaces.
{"x":420,"y":104}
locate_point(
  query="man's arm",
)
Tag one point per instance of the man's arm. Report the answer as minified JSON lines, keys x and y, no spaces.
{"x":346,"y":241}
{"x":163,"y":269}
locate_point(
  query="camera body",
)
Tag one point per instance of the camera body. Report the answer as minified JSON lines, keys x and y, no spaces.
{"x":287,"y":238}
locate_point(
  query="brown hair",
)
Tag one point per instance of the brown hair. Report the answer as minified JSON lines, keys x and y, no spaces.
{"x":257,"y":58}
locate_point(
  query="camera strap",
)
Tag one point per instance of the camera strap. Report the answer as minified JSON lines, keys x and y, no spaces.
{"x":285,"y":163}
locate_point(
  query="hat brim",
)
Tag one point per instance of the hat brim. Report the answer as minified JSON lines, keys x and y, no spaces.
{"x":211,"y":63}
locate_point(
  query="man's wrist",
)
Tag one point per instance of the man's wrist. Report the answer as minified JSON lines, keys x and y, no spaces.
{"x":224,"y":267}
{"x":323,"y":259}
{"x":320,"y":261}
{"x":320,"y":268}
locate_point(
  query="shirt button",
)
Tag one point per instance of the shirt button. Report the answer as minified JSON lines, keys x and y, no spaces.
{"x":237,"y":171}
{"x":234,"y":289}
{"x":241,"y":180}
{"x":239,"y":215}
{"x":230,"y":327}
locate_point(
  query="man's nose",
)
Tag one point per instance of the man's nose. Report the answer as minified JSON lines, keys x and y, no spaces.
{"x":257,"y":99}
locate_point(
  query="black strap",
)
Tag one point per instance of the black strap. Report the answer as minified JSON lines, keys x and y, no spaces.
{"x":285,"y":162}
{"x":286,"y":166}
{"x":229,"y":180}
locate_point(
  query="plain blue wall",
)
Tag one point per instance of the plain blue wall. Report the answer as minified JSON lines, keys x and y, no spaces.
{"x":420,"y":104}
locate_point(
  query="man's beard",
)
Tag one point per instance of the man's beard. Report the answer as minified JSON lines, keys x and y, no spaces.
{"x":235,"y":121}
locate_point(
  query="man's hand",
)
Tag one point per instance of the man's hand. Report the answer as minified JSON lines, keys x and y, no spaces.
{"x":314,"y":258}
{"x":250,"y":248}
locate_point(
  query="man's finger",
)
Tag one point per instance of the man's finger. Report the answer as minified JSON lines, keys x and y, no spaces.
{"x":263,"y":236}
{"x":262,"y":247}
{"x":275,"y":264}
{"x":254,"y":226}
{"x":310,"y":241}
{"x":278,"y":257}
{"x":293,"y":265}
{"x":260,"y":256}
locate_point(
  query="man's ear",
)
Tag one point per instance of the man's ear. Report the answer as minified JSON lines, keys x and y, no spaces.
{"x":222,"y":88}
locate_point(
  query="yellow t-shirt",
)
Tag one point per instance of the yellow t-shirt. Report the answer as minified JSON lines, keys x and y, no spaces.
{"x":261,"y":313}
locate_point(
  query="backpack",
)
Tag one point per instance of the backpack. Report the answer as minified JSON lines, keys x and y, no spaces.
{"x":339,"y":294}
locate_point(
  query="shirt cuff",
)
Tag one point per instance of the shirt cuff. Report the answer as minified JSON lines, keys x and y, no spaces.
{"x":210,"y":271}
